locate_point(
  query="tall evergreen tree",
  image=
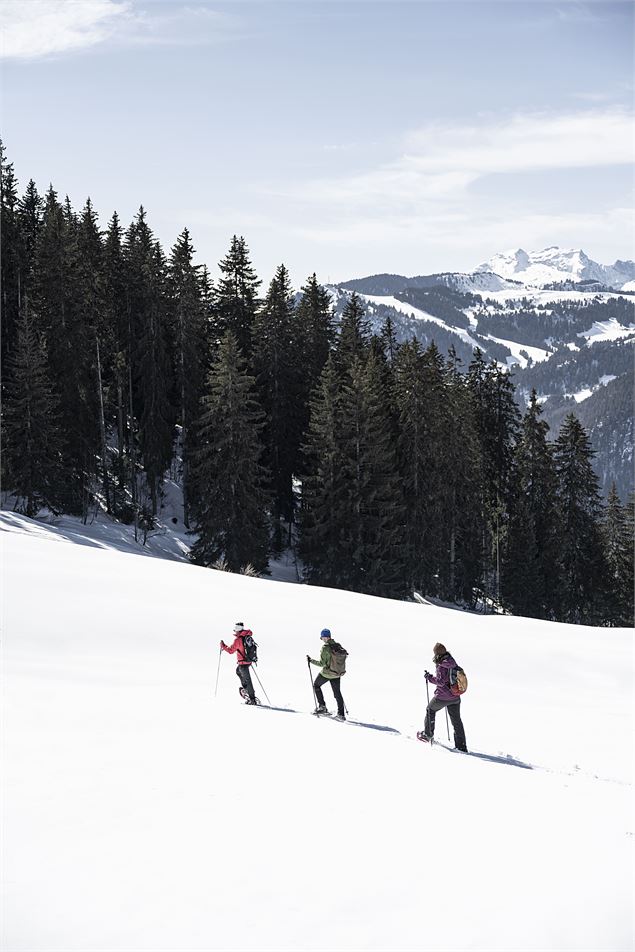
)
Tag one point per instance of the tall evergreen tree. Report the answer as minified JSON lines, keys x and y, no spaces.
{"x":618,"y":551}
{"x":583,"y":565}
{"x":151,"y":368}
{"x":279,"y":377}
{"x":371,"y":534}
{"x":532,"y":562}
{"x":230,"y":501}
{"x":236,"y":295}
{"x":463,"y":475}
{"x":30,"y":221}
{"x":325,"y":491}
{"x":420,"y":400}
{"x":191,"y":345}
{"x":9,"y":256}
{"x":31,"y":461}
{"x":497,"y":420}
{"x":355,"y":334}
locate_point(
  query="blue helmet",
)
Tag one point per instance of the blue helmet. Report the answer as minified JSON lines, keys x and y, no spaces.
{"x":325,"y":633}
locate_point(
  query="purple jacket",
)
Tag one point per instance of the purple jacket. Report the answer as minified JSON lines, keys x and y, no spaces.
{"x":442,"y":679}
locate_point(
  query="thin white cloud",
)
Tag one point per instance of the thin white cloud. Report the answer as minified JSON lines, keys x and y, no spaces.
{"x":42,"y":27}
{"x":34,"y":28}
{"x":441,"y":161}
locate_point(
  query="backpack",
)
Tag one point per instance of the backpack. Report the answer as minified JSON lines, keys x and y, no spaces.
{"x":250,"y":648}
{"x":338,"y":659}
{"x":458,"y":681}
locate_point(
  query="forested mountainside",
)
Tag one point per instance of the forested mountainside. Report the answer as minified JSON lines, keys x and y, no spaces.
{"x":325,"y":420}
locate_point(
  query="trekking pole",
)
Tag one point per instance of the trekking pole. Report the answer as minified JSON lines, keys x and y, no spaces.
{"x":262,"y":686}
{"x":447,"y":722}
{"x":312,"y":687}
{"x":427,"y":720}
{"x":220,"y":652}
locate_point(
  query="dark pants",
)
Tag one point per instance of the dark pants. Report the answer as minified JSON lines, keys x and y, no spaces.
{"x":245,"y":679}
{"x":454,"y":710}
{"x":335,"y":684}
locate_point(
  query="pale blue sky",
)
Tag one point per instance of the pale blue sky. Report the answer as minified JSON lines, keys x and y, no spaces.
{"x":342,"y":137}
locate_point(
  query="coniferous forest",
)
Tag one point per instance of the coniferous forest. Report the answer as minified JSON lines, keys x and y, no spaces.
{"x":389,"y":468}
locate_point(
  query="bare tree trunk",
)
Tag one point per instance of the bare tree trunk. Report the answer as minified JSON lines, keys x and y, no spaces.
{"x":102,"y":429}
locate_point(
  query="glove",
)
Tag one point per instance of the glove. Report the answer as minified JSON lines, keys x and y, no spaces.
{"x":223,"y":645}
{"x":308,"y":658}
{"x":427,"y":675}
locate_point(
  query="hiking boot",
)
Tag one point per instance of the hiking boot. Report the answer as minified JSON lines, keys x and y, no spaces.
{"x":321,"y":709}
{"x":252,"y":700}
{"x":339,"y":717}
{"x":462,"y":749}
{"x":424,"y":737}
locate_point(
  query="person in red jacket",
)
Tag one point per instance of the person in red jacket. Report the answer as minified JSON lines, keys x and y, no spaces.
{"x":243,"y":665}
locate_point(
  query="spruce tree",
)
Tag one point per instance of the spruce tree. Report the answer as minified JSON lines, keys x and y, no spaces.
{"x":354,"y":338}
{"x":153,"y":385}
{"x":497,"y":421}
{"x":583,"y":565}
{"x":279,"y":377}
{"x":191,"y":346}
{"x":618,"y":553}
{"x":236,"y":295}
{"x":9,"y":256}
{"x":372,"y":531}
{"x":463,"y":475}
{"x":230,"y":502}
{"x":532,"y":558}
{"x":325,"y":491}
{"x":31,"y":459}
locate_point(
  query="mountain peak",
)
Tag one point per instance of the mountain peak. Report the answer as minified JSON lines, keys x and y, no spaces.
{"x":553,"y":265}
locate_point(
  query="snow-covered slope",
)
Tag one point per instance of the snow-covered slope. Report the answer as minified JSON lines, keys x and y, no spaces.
{"x":141,"y":812}
{"x":555,"y":265}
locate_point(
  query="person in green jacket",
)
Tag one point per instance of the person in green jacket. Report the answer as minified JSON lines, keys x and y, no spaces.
{"x":326,"y":674}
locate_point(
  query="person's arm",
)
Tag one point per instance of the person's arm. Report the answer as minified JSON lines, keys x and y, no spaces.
{"x":230,"y":649}
{"x":432,"y":678}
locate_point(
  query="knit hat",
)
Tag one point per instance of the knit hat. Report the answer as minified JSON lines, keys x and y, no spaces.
{"x":325,"y":633}
{"x":439,"y":650}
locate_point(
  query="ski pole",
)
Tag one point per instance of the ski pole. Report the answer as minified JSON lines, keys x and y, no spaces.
{"x":312,"y":686}
{"x":220,"y":652}
{"x":427,"y":720}
{"x":262,"y":686}
{"x":447,"y":722}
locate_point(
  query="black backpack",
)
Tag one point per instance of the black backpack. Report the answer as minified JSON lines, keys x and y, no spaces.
{"x":250,"y":648}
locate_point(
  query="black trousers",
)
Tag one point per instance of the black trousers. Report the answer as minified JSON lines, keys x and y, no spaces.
{"x":454,"y":710}
{"x":245,"y":679}
{"x":335,"y":684}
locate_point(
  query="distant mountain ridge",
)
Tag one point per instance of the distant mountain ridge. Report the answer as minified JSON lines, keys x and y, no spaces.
{"x":553,"y":265}
{"x":559,"y":321}
{"x":513,"y":270}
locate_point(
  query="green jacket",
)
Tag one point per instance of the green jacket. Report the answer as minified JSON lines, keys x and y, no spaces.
{"x":325,"y":661}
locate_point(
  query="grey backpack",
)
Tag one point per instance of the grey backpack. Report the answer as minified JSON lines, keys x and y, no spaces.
{"x":338,"y":659}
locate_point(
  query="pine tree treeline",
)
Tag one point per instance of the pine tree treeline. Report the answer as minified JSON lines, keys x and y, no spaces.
{"x":388,"y":467}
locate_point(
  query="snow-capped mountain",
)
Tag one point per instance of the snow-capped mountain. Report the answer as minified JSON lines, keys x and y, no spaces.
{"x":556,"y":266}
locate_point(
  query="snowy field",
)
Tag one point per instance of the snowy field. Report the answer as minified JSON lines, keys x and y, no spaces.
{"x":142,"y":813}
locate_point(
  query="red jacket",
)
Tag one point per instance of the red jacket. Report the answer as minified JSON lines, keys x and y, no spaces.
{"x":238,"y":646}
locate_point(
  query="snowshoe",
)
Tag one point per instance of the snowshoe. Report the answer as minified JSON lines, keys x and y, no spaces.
{"x":246,"y":698}
{"x":321,"y":711}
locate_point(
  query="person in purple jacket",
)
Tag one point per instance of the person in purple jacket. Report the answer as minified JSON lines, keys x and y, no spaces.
{"x":443,"y":697}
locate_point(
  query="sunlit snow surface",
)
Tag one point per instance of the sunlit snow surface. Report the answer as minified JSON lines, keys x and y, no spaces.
{"x":142,"y":813}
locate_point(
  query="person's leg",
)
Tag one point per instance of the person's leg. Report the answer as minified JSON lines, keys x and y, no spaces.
{"x":335,"y":684}
{"x":454,"y":710}
{"x":317,"y":684}
{"x":245,"y":679}
{"x":431,"y":712}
